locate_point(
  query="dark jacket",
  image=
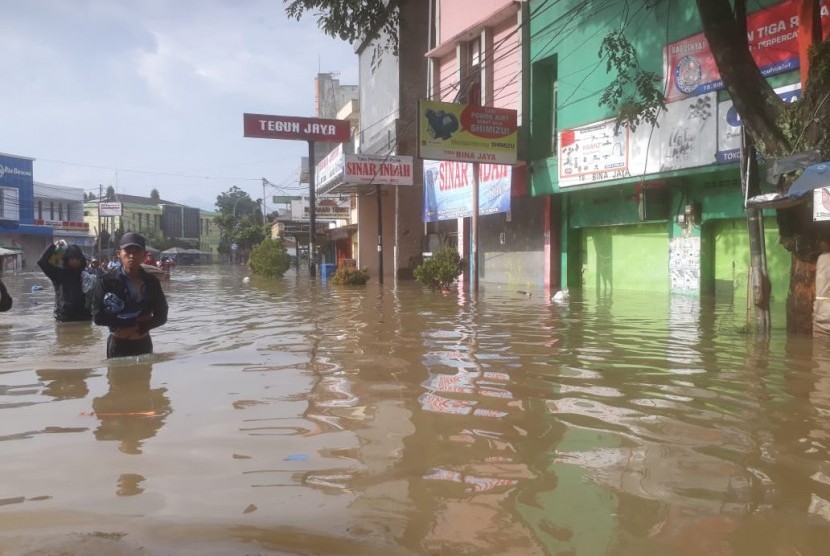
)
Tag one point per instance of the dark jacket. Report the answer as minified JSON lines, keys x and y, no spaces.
{"x":70,"y":300}
{"x":5,"y":298}
{"x":116,"y":282}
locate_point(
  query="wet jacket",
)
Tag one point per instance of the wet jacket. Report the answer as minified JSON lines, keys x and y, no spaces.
{"x":70,"y":300}
{"x":5,"y":298}
{"x":123,"y":311}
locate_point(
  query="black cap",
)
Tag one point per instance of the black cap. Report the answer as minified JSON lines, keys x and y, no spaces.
{"x":133,"y":239}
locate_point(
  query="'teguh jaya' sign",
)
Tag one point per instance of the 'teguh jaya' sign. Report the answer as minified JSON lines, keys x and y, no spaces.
{"x":293,"y":127}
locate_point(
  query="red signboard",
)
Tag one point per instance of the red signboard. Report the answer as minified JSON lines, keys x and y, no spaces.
{"x":773,"y":40}
{"x":293,"y":127}
{"x":66,"y":224}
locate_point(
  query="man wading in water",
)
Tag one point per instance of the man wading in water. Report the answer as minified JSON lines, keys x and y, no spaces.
{"x":129,"y":301}
{"x":66,"y":275}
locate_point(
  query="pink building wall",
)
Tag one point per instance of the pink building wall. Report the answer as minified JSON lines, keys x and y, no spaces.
{"x":457,"y":15}
{"x":507,"y":65}
{"x":447,"y":75}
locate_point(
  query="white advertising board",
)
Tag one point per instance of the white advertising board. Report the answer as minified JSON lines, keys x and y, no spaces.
{"x":592,"y":153}
{"x":378,"y":170}
{"x":109,"y":209}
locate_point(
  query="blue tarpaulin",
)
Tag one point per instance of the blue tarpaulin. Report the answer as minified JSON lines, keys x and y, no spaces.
{"x":813,"y":177}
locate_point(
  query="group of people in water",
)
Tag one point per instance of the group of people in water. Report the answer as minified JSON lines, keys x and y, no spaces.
{"x":125,"y":297}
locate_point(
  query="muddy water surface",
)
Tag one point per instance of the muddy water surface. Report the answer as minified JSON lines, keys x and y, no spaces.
{"x":294,"y":417}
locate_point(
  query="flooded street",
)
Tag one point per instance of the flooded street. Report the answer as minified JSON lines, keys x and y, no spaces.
{"x":297,"y":417}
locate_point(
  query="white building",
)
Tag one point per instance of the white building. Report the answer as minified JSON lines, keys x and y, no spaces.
{"x":62,"y":208}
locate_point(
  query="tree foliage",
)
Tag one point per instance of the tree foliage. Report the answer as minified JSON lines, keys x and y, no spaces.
{"x":236,"y":202}
{"x":154,"y":194}
{"x":239,"y":221}
{"x":351,"y":20}
{"x":270,"y":258}
{"x":346,"y":276}
{"x":440,"y":271}
{"x":634,"y":93}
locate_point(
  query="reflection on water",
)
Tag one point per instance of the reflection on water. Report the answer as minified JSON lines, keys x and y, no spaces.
{"x":130,"y":411}
{"x":292,"y":416}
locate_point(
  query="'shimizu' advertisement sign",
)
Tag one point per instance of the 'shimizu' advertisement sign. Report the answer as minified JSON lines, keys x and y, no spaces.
{"x":294,"y":127}
{"x":467,"y":133}
{"x":378,"y":170}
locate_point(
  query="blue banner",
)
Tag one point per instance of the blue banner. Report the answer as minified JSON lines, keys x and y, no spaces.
{"x":448,"y":191}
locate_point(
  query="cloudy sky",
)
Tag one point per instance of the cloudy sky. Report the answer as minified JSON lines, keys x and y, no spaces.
{"x":140,"y":94}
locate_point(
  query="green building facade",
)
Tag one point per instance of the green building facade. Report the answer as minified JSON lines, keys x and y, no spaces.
{"x":657,"y":208}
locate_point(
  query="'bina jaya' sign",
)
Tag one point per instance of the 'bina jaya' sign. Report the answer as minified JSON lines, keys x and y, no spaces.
{"x":294,"y":127}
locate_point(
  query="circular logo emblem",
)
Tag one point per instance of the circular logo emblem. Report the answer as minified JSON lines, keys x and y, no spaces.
{"x":2,"y":170}
{"x":687,"y":74}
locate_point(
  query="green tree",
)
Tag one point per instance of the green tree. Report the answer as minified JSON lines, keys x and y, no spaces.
{"x":110,"y":195}
{"x":270,"y":258}
{"x":351,"y":20}
{"x":240,"y":222}
{"x":440,"y":271}
{"x":154,"y":194}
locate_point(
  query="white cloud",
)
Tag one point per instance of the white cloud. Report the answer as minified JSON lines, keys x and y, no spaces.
{"x":127,"y":93}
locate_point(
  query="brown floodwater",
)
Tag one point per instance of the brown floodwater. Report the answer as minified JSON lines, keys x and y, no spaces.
{"x":292,"y":416}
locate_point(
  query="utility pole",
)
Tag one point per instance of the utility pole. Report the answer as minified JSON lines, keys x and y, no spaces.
{"x":264,"y":210}
{"x":100,"y":194}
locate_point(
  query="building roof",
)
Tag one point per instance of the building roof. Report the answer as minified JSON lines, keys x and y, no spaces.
{"x":139,"y":200}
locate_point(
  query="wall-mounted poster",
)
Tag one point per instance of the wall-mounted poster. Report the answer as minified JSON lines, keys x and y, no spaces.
{"x":685,"y":137}
{"x":593,"y":153}
{"x":729,"y":124}
{"x":684,"y":265}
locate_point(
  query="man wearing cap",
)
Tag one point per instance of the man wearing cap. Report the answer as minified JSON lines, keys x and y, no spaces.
{"x":129,"y":301}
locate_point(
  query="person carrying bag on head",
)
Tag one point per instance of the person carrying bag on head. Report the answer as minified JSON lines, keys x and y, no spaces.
{"x":64,"y":266}
{"x":129,"y":301}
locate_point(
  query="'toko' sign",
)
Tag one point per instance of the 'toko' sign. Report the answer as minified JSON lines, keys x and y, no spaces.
{"x":292,"y":127}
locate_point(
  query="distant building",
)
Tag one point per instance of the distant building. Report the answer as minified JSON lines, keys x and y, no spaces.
{"x":391,"y":83}
{"x":34,"y":214}
{"x":62,"y":208}
{"x":332,"y":101}
{"x":160,"y":221}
